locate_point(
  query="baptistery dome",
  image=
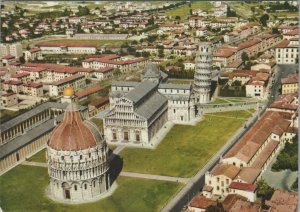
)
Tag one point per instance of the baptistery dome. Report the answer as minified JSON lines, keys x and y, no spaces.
{"x":77,"y":160}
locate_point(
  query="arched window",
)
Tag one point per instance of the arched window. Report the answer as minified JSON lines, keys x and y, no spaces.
{"x":85,"y":186}
{"x":94,"y":183}
{"x":75,"y":187}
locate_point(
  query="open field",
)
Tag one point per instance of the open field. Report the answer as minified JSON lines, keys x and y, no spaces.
{"x":180,"y":81}
{"x":23,"y":189}
{"x":184,"y":11}
{"x":186,"y":148}
{"x":39,"y":157}
{"x":5,"y":115}
{"x":98,"y":43}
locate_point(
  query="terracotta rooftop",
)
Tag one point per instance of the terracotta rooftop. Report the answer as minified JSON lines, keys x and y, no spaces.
{"x":248,"y":174}
{"x":100,"y":102}
{"x":227,"y":170}
{"x":34,"y":85}
{"x":290,"y":79}
{"x":283,"y":201}
{"x":285,"y":101}
{"x":243,"y":186}
{"x":247,"y":146}
{"x":202,"y":202}
{"x":34,"y":50}
{"x":230,"y":200}
{"x":13,"y":82}
{"x":248,"y":43}
{"x":245,"y":206}
{"x":68,"y":79}
{"x":88,"y":91}
{"x":263,"y":156}
{"x":72,"y":134}
{"x":9,"y":56}
{"x":57,"y":67}
{"x":20,"y":75}
{"x":283,"y":44}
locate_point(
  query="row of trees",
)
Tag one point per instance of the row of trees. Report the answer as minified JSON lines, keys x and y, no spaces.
{"x":288,"y":158}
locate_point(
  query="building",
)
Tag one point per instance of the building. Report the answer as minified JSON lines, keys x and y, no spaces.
{"x":289,"y":84}
{"x":26,"y":134}
{"x":200,"y":203}
{"x":33,"y":89}
{"x":11,"y":49}
{"x":9,"y":99}
{"x":77,"y":157}
{"x":283,"y":201}
{"x":33,"y":54}
{"x":66,"y":48}
{"x":76,"y":81}
{"x":140,"y":109}
{"x":287,"y":52}
{"x":241,"y":167}
{"x":202,"y":76}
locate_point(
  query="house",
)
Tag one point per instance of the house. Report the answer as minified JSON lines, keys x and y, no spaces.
{"x":283,"y":201}
{"x":76,"y":81}
{"x":200,"y":203}
{"x":33,"y":89}
{"x":201,"y":31}
{"x":289,"y":84}
{"x":33,"y":54}
{"x":98,"y":106}
{"x":286,"y":52}
{"x":8,"y":99}
{"x":82,"y":95}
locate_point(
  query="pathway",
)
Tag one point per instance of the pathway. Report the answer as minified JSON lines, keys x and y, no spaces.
{"x":126,"y":174}
{"x":155,"y":177}
{"x":38,"y":164}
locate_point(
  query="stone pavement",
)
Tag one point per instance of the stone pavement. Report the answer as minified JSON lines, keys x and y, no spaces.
{"x":31,"y":163}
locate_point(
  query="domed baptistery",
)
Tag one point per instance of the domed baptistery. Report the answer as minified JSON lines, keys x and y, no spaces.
{"x":77,"y":159}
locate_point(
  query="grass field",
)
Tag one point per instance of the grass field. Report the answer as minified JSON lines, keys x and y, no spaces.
{"x":39,"y":157}
{"x":5,"y":115}
{"x":184,"y":11}
{"x":23,"y":189}
{"x":98,"y":43}
{"x":179,"y":81}
{"x":186,"y":148}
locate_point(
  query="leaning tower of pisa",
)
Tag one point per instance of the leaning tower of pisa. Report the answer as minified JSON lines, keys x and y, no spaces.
{"x":202,"y":76}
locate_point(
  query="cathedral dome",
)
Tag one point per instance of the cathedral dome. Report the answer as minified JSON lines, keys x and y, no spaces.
{"x":68,"y":91}
{"x":74,"y":134}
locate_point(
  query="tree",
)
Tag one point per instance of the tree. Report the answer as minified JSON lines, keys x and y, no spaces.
{"x":245,"y":57}
{"x":82,"y":11}
{"x":264,"y":19}
{"x":160,"y":51}
{"x":264,"y":190}
{"x":230,"y":13}
{"x":177,"y":18}
{"x":191,"y":12}
{"x":253,"y":9}
{"x":145,"y":54}
{"x":275,"y":31}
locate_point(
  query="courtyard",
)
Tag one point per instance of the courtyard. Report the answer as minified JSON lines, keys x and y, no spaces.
{"x":23,"y":189}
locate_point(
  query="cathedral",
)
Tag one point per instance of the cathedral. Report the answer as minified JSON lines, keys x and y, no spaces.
{"x":138,"y":110}
{"x":77,"y":157}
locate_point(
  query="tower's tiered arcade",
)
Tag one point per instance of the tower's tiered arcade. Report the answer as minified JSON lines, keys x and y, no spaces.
{"x":202,"y":76}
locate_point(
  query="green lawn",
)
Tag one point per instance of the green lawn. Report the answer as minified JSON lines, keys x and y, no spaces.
{"x":219,"y":101}
{"x":23,"y":189}
{"x":180,"y":81}
{"x":99,"y":43}
{"x":39,"y":157}
{"x":185,"y":149}
{"x":184,"y":11}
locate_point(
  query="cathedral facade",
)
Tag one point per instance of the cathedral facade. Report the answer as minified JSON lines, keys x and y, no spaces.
{"x":138,"y":110}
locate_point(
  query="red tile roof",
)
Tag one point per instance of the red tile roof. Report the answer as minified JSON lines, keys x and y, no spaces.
{"x":68,"y":79}
{"x":57,"y":68}
{"x":104,"y":69}
{"x":100,"y":102}
{"x":242,"y":186}
{"x":20,"y":75}
{"x":34,"y":85}
{"x":227,"y":170}
{"x":88,"y":91}
{"x":202,"y":202}
{"x":290,"y":79}
{"x":283,"y":44}
{"x":13,"y":82}
{"x":9,"y":56}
